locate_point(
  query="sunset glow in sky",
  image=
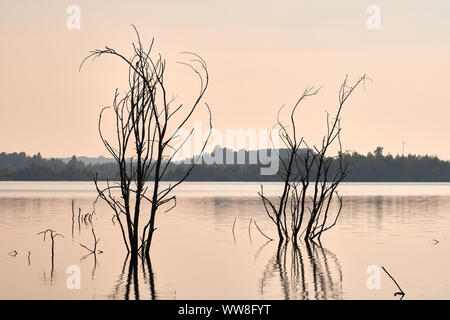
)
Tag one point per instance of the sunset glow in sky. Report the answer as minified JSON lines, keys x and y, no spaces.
{"x":261,"y":55}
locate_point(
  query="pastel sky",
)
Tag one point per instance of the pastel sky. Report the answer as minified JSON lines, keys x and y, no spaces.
{"x":261,"y":54}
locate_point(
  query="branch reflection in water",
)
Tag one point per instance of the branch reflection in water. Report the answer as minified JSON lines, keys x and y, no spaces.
{"x":136,"y":280}
{"x":306,"y":271}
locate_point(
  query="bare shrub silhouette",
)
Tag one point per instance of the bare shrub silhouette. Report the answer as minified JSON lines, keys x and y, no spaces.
{"x":308,"y":168}
{"x":146,"y":132}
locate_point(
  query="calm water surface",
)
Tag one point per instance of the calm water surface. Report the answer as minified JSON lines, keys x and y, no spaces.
{"x":196,"y":256}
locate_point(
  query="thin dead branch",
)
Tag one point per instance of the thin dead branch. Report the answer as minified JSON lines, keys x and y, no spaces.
{"x":94,"y":250}
{"x":398,"y":293}
{"x":260,"y":231}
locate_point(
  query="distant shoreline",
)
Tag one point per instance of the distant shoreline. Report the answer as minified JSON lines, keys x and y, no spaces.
{"x":373,"y":167}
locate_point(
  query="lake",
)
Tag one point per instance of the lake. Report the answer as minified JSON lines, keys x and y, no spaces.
{"x":195,"y":254}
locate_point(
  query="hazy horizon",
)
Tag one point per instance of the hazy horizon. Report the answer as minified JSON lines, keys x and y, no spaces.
{"x":109,"y":157}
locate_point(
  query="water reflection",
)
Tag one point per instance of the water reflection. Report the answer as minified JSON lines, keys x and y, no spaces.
{"x":208,"y":232}
{"x":304,"y":272}
{"x":135,"y":270}
{"x":94,"y":266}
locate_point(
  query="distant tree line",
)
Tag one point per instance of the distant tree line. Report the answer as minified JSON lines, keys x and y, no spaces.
{"x":376,"y":167}
{"x":19,"y":166}
{"x":373,"y":167}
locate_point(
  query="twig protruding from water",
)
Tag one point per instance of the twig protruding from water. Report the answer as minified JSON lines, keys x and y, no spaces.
{"x":399,"y":293}
{"x":12,"y":253}
{"x":270,"y":239}
{"x":94,"y":251}
{"x":53,"y":235}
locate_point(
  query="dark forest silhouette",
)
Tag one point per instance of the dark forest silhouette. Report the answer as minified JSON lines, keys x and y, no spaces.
{"x":373,"y":167}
